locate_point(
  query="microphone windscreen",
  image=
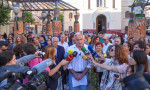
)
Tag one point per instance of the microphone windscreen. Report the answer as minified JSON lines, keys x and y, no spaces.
{"x":69,"y":58}
{"x":70,"y":51}
{"x":74,"y":54}
{"x":66,"y":54}
{"x":83,"y":49}
{"x":84,"y":57}
{"x":90,"y":48}
{"x":41,"y":66}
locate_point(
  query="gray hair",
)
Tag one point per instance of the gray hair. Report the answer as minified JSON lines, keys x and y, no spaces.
{"x":53,"y":38}
{"x":77,"y":34}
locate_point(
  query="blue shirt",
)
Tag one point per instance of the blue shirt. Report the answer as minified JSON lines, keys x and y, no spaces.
{"x":44,"y":44}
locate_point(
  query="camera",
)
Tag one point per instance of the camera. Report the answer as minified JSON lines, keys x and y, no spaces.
{"x":41,"y":54}
{"x":15,"y":74}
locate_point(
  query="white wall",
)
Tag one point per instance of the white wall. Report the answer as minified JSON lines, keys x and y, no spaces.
{"x":115,"y":16}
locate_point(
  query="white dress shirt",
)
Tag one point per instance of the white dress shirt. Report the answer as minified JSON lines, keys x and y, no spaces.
{"x":65,"y":45}
{"x":105,"y":47}
{"x":78,"y":64}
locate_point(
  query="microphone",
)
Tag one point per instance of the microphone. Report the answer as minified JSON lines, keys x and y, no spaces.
{"x":69,"y":58}
{"x":70,"y":51}
{"x":39,"y":67}
{"x":65,"y":55}
{"x":85,"y":58}
{"x":75,"y":53}
{"x":84,"y":51}
{"x":93,"y":52}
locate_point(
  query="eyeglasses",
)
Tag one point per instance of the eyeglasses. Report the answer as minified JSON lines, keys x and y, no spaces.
{"x":112,"y":50}
{"x":104,"y":39}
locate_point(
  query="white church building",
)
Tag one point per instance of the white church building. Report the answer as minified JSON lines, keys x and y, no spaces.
{"x":99,"y":15}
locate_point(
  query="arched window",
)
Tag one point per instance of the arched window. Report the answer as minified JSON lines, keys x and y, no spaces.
{"x":127,"y":14}
{"x":70,"y":15}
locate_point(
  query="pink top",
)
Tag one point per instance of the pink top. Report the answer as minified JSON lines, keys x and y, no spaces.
{"x":122,"y":68}
{"x":35,"y":62}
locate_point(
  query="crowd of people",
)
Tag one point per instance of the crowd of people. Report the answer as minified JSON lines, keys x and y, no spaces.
{"x":118,"y":56}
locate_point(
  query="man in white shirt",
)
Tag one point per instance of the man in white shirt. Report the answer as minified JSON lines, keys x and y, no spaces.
{"x":78,"y":68}
{"x":63,"y":43}
{"x":106,"y":43}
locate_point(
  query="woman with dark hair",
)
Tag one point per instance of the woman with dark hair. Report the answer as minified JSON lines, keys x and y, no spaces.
{"x":71,"y":40}
{"x":18,"y":51}
{"x":11,"y":44}
{"x":30,"y":40}
{"x":131,"y":40}
{"x":116,"y":65}
{"x":94,"y":41}
{"x":49,"y":41}
{"x":43,"y":41}
{"x":137,"y":58}
{"x":122,"y":39}
{"x":29,"y":49}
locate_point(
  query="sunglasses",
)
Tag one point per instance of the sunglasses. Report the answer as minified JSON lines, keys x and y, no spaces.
{"x":4,"y":49}
{"x":104,"y":39}
{"x":112,"y":50}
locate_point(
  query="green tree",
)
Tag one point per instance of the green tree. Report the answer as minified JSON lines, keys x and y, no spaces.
{"x":28,"y":17}
{"x":61,"y":16}
{"x":4,"y":15}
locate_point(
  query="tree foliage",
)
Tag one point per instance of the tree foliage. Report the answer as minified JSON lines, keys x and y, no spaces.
{"x":4,"y":15}
{"x":28,"y":17}
{"x":61,"y":16}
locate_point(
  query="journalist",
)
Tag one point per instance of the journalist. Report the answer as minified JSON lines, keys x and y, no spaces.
{"x":118,"y":64}
{"x":9,"y":58}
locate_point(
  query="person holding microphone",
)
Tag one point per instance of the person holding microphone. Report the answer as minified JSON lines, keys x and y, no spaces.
{"x":118,"y":64}
{"x":78,"y":68}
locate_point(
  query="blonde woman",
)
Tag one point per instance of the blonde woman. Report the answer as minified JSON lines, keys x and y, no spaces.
{"x":20,"y":39}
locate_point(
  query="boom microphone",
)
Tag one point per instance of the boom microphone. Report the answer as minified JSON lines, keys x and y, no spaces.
{"x":39,"y":67}
{"x":93,"y":52}
{"x":84,"y":51}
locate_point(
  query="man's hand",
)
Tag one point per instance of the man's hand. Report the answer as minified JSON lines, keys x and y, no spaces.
{"x":76,"y":77}
{"x":80,"y":75}
{"x":36,"y":55}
